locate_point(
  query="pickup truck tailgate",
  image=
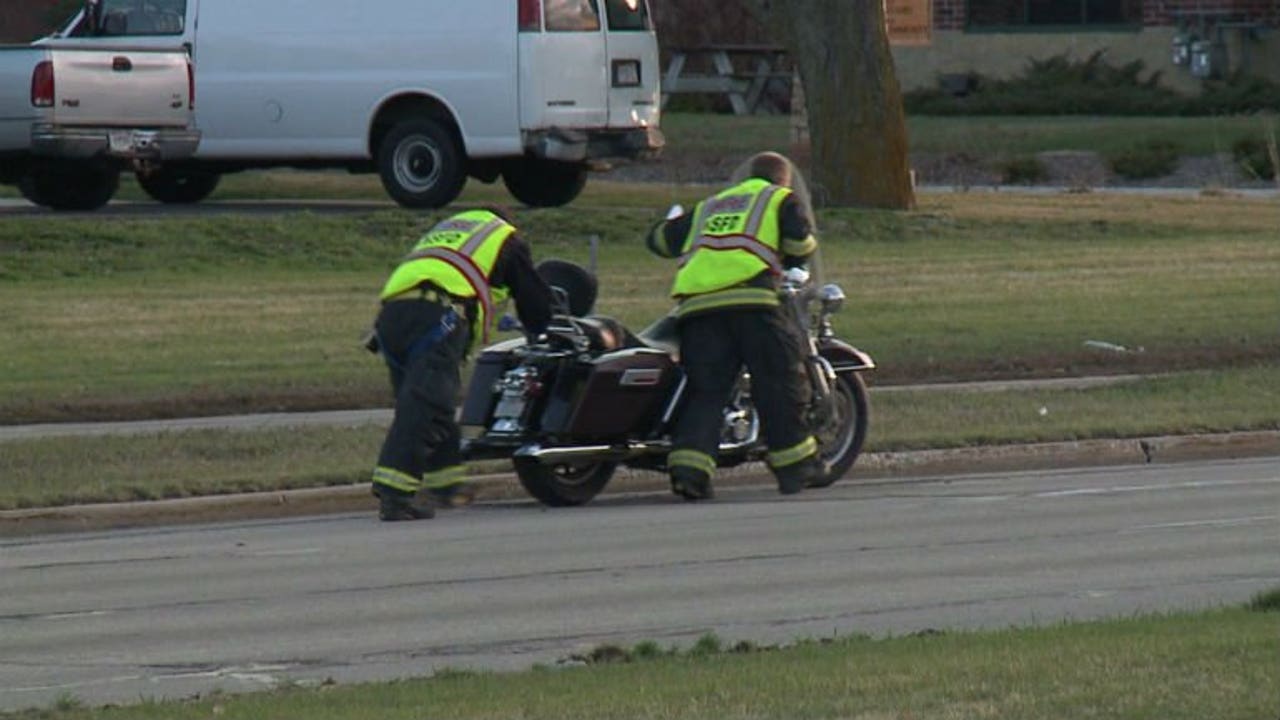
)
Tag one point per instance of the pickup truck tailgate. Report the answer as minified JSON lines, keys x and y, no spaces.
{"x":137,"y":88}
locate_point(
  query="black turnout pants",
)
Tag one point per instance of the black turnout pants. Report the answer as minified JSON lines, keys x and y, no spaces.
{"x":713,"y":348}
{"x":424,"y":437}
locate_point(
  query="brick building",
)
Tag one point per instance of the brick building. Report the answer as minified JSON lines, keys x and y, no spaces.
{"x":25,"y":20}
{"x":997,"y":37}
{"x":991,"y":37}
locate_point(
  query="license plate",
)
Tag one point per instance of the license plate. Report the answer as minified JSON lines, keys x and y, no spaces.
{"x":120,"y":141}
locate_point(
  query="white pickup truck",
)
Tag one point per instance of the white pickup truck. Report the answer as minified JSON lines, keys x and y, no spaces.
{"x":425,"y":93}
{"x":73,"y":114}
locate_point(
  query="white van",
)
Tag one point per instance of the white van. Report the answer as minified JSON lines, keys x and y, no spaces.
{"x":424,"y":92}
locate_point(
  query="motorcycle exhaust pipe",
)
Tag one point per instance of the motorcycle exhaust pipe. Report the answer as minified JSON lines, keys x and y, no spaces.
{"x":609,"y":453}
{"x":589,"y":453}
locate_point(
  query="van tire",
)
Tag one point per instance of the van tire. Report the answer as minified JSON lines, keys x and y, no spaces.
{"x":179,"y":187}
{"x":421,"y":164}
{"x":538,"y":182}
{"x":70,"y":187}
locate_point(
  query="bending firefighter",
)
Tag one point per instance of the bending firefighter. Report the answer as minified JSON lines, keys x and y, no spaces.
{"x":733,"y":248}
{"x":439,"y":299}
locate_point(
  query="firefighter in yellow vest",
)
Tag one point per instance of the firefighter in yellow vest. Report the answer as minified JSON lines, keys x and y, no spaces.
{"x":437,"y":302}
{"x":733,"y":248}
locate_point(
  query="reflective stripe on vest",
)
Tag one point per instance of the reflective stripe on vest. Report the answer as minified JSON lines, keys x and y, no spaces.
{"x":740,"y":222}
{"x":460,"y":243}
{"x":736,"y":242}
{"x":465,"y":267}
{"x":748,"y":239}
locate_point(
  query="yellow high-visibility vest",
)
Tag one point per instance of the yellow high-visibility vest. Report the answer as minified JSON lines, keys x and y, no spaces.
{"x":733,"y":238}
{"x":457,"y":255}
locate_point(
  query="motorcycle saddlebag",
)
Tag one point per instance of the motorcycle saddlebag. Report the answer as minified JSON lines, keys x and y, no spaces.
{"x":620,"y":395}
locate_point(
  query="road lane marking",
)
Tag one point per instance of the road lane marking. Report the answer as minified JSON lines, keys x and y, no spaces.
{"x":1121,"y":489}
{"x":1219,"y":522}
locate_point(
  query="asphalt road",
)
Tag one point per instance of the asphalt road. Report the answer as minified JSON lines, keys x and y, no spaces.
{"x":168,"y":612}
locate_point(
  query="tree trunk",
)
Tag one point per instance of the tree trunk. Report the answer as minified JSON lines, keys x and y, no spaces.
{"x":857,"y":127}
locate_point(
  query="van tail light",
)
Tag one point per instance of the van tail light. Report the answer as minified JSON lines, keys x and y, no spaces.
{"x":191,"y":86}
{"x":42,"y":84}
{"x":530,"y":15}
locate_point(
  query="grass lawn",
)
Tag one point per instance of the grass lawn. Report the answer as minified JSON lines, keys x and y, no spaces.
{"x":51,"y":471}
{"x":1218,"y":664}
{"x":200,"y":315}
{"x":703,"y":137}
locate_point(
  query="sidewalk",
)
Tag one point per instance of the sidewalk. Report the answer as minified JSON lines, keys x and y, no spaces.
{"x":877,"y":467}
{"x":383,"y":416}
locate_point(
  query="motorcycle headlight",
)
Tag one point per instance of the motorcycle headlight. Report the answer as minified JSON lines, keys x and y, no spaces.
{"x":832,"y":298}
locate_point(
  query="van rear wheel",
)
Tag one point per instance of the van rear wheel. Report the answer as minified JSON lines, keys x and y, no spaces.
{"x":178,"y":187}
{"x":421,"y":164}
{"x":538,"y":182}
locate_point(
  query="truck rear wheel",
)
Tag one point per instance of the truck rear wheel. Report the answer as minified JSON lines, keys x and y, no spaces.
{"x":70,"y":188}
{"x":177,"y":186}
{"x":537,"y":182}
{"x":421,"y":164}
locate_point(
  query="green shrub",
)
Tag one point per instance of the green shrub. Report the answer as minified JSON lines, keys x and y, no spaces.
{"x":708,"y":644}
{"x":1056,"y":86}
{"x":1152,"y":159}
{"x":1022,"y":170}
{"x":1254,"y":158}
{"x":1266,"y":601}
{"x":1236,"y":95}
{"x":1061,"y":86}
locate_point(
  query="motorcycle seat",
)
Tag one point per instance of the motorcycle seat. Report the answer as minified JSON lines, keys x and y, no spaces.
{"x":602,"y":333}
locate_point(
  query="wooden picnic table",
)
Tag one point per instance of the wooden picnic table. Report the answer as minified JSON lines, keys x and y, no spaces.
{"x":750,"y":76}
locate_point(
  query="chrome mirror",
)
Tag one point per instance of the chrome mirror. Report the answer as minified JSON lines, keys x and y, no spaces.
{"x":832,"y":297}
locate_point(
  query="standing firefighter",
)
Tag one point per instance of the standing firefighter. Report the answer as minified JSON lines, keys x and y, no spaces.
{"x":733,"y":248}
{"x":439,"y":299}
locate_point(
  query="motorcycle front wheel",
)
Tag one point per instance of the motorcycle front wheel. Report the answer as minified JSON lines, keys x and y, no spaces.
{"x":563,"y":485}
{"x":840,"y":438}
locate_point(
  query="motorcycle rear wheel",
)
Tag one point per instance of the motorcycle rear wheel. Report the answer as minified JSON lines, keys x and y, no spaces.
{"x":563,"y":485}
{"x":840,"y":440}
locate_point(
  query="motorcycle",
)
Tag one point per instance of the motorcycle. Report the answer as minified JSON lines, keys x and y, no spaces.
{"x":590,"y":395}
{"x":570,"y":407}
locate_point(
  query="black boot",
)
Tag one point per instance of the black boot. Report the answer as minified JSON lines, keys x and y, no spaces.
{"x":691,"y":484}
{"x":795,"y":478}
{"x":394,"y":506}
{"x":453,"y":496}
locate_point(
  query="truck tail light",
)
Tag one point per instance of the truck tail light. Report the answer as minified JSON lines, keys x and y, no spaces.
{"x":530,"y":15}
{"x":191,"y":85}
{"x":42,"y":84}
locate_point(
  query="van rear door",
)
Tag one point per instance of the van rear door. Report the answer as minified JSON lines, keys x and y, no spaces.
{"x":563,"y":65}
{"x":631,"y":49}
{"x":587,"y":64}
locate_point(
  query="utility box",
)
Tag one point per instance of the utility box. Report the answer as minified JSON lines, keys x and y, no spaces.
{"x":1208,"y":59}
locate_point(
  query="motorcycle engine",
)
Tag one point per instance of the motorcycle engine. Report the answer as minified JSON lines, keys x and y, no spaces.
{"x":738,"y":426}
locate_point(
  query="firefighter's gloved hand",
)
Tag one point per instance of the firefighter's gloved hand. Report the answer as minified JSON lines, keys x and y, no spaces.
{"x":507,"y":323}
{"x":796,"y":276}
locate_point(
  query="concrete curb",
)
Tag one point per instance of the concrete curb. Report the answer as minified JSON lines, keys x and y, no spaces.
{"x":497,"y":487}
